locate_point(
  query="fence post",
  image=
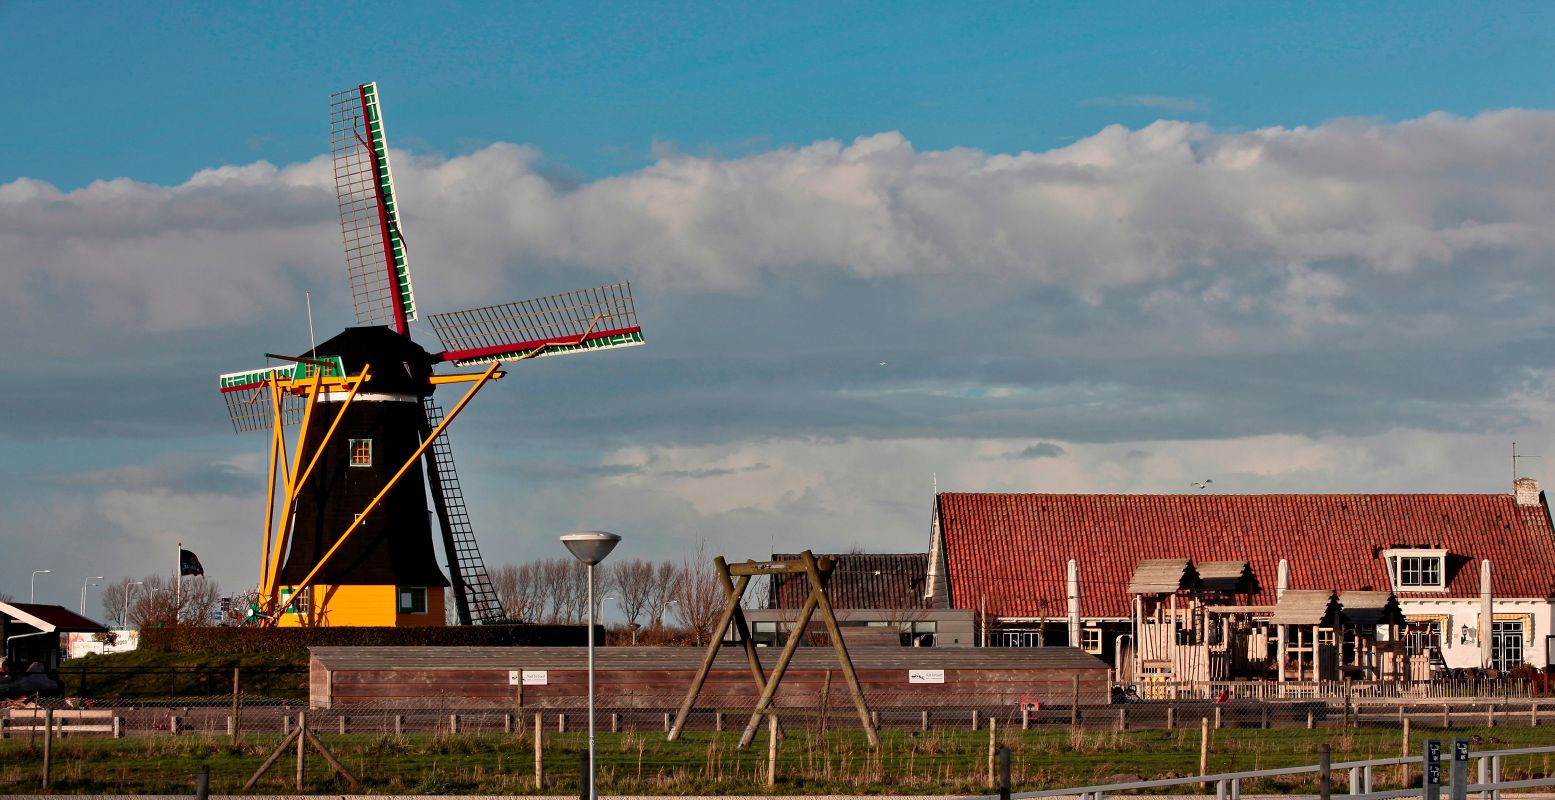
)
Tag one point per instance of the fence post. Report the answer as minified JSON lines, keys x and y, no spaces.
{"x":1484,"y":777}
{"x":1004,"y":773}
{"x":1325,"y":773}
{"x":453,"y":724}
{"x":118,"y":726}
{"x":286,"y":725}
{"x":1203,"y":745}
{"x":48,"y":745}
{"x":345,"y":722}
{"x":1309,"y":719}
{"x":172,"y":725}
{"x":235,"y":723}
{"x":1171,"y":716}
{"x":1355,"y":780}
{"x":584,"y":790}
{"x":202,"y":784}
{"x":1403,"y":769}
{"x":539,"y":752}
{"x":1460,"y":770}
{"x":1490,"y":715}
{"x":1025,"y":717}
{"x":718,"y":721}
{"x":992,"y":749}
{"x":615,"y":722}
{"x":1217,"y":718}
{"x":666,"y":722}
{"x":1446,"y":719}
{"x":977,"y":720}
{"x":399,"y":724}
{"x":561,"y":723}
{"x":1263,"y":720}
{"x":923,"y":721}
{"x":1123,"y":718}
{"x":1074,"y":707}
{"x":302,"y":739}
{"x":507,"y":723}
{"x":772,"y":749}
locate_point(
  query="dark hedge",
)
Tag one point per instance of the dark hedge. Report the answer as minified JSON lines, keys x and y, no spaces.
{"x":241,"y":641}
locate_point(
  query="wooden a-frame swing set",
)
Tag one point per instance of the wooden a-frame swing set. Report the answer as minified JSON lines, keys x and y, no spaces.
{"x":817,"y":572}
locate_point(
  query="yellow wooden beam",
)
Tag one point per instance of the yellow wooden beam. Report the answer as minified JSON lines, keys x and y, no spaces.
{"x":465,"y":377}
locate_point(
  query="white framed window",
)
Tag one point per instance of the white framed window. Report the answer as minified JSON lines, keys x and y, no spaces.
{"x":1415,"y":570}
{"x":1090,"y":640}
{"x":361,"y":452}
{"x":413,"y":600}
{"x":304,"y":601}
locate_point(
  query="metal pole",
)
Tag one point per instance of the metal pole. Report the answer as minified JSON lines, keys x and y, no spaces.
{"x":593,"y":793}
{"x":1004,"y":773}
{"x":202,"y":785}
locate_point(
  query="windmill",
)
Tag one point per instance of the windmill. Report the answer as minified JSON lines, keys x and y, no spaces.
{"x":348,"y":537}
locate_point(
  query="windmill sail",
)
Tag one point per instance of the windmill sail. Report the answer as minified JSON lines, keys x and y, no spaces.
{"x":572,"y":322}
{"x":369,"y":217}
{"x":248,"y":393}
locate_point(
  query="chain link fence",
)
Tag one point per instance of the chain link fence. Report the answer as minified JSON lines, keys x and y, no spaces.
{"x":154,"y":731}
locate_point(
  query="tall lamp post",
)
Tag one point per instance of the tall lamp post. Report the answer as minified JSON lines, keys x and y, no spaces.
{"x":591,"y":547}
{"x":32,"y":587}
{"x":125,"y":620}
{"x":84,"y":584}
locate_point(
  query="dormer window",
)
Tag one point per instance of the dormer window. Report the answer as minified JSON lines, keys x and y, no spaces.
{"x":1416,"y":570}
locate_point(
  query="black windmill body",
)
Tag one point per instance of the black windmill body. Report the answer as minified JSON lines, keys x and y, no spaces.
{"x":351,"y":510}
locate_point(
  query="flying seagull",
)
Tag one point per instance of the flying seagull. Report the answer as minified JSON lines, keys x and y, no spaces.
{"x":1204,"y":484}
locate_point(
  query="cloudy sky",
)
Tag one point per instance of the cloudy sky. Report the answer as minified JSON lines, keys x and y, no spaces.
{"x":1058,"y":248}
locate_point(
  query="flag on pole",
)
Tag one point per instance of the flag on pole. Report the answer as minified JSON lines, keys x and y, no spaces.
{"x":189,"y":563}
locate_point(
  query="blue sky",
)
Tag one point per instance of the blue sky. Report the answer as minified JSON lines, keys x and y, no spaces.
{"x":1126,"y":247}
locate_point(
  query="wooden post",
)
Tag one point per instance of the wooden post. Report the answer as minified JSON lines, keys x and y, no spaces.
{"x":235,"y":723}
{"x":453,"y":724}
{"x":1263,"y":718}
{"x":1533,"y":714}
{"x":1204,"y":745}
{"x":1490,"y":715}
{"x":172,"y":725}
{"x":977,"y":719}
{"x":1123,"y":718}
{"x":1025,"y":717}
{"x":993,"y":745}
{"x":1217,"y":718}
{"x":1403,"y":769}
{"x":772,"y":749}
{"x":1309,"y":719}
{"x":561,"y":723}
{"x":1325,"y":774}
{"x":344,"y":723}
{"x":399,"y":724}
{"x":923,"y":720}
{"x":286,"y":725}
{"x":48,"y":745}
{"x":718,"y":721}
{"x":507,"y":723}
{"x":615,"y":722}
{"x":666,"y":722}
{"x":540,"y":751}
{"x":302,"y":725}
{"x":1171,"y":716}
{"x":118,"y":726}
{"x":1074,"y":705}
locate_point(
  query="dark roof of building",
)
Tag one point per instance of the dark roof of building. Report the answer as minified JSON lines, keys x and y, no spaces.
{"x":1011,"y":548}
{"x":50,"y":619}
{"x":859,"y":580}
{"x":400,"y":366}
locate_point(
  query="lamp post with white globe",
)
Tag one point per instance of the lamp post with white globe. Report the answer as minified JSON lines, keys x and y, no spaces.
{"x":591,"y":547}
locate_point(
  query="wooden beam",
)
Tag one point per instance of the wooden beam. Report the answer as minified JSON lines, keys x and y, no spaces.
{"x":731,"y":606}
{"x":818,"y":591}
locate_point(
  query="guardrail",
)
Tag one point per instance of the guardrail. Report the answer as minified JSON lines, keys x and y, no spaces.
{"x":1228,"y":785}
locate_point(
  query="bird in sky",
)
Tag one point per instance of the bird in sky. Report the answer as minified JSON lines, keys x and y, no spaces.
{"x":1204,"y":484}
{"x":882,"y":363}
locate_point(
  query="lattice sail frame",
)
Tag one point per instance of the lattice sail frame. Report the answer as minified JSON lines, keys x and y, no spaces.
{"x":585,"y":320}
{"x":370,"y":226}
{"x":247,"y":393}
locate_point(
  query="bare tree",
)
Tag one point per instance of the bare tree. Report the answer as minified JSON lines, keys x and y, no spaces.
{"x":633,"y":582}
{"x":154,"y":601}
{"x":699,"y":596}
{"x":665,"y":577}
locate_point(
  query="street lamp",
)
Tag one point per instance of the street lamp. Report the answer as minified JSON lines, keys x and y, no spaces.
{"x":125,"y":620}
{"x":32,"y":587}
{"x":591,"y":547}
{"x":84,"y":584}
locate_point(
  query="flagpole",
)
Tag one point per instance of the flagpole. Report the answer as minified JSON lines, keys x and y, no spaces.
{"x":178,"y":594}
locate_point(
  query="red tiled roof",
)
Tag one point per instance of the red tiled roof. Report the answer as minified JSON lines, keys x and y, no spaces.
{"x":1012,"y":549}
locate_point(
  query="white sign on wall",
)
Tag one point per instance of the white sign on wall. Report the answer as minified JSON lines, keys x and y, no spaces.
{"x":512,"y":677}
{"x":925,"y":676}
{"x":535,"y":677}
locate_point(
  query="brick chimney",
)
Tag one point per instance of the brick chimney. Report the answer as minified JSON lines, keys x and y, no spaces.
{"x":1526,"y":490}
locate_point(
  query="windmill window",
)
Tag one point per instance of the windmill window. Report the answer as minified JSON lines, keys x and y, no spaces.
{"x":413,"y":600}
{"x":303,"y":604}
{"x":361,"y":452}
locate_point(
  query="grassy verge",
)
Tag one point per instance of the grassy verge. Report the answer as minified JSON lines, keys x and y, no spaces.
{"x":935,"y":762}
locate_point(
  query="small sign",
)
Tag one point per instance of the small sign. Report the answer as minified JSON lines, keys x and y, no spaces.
{"x":925,"y":676}
{"x":535,"y":677}
{"x":1460,"y":750}
{"x":513,"y":677}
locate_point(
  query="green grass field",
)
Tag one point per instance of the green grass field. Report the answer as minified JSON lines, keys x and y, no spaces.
{"x":936,"y":762}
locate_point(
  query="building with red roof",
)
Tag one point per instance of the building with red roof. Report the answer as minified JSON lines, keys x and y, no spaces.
{"x":1007,"y":555}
